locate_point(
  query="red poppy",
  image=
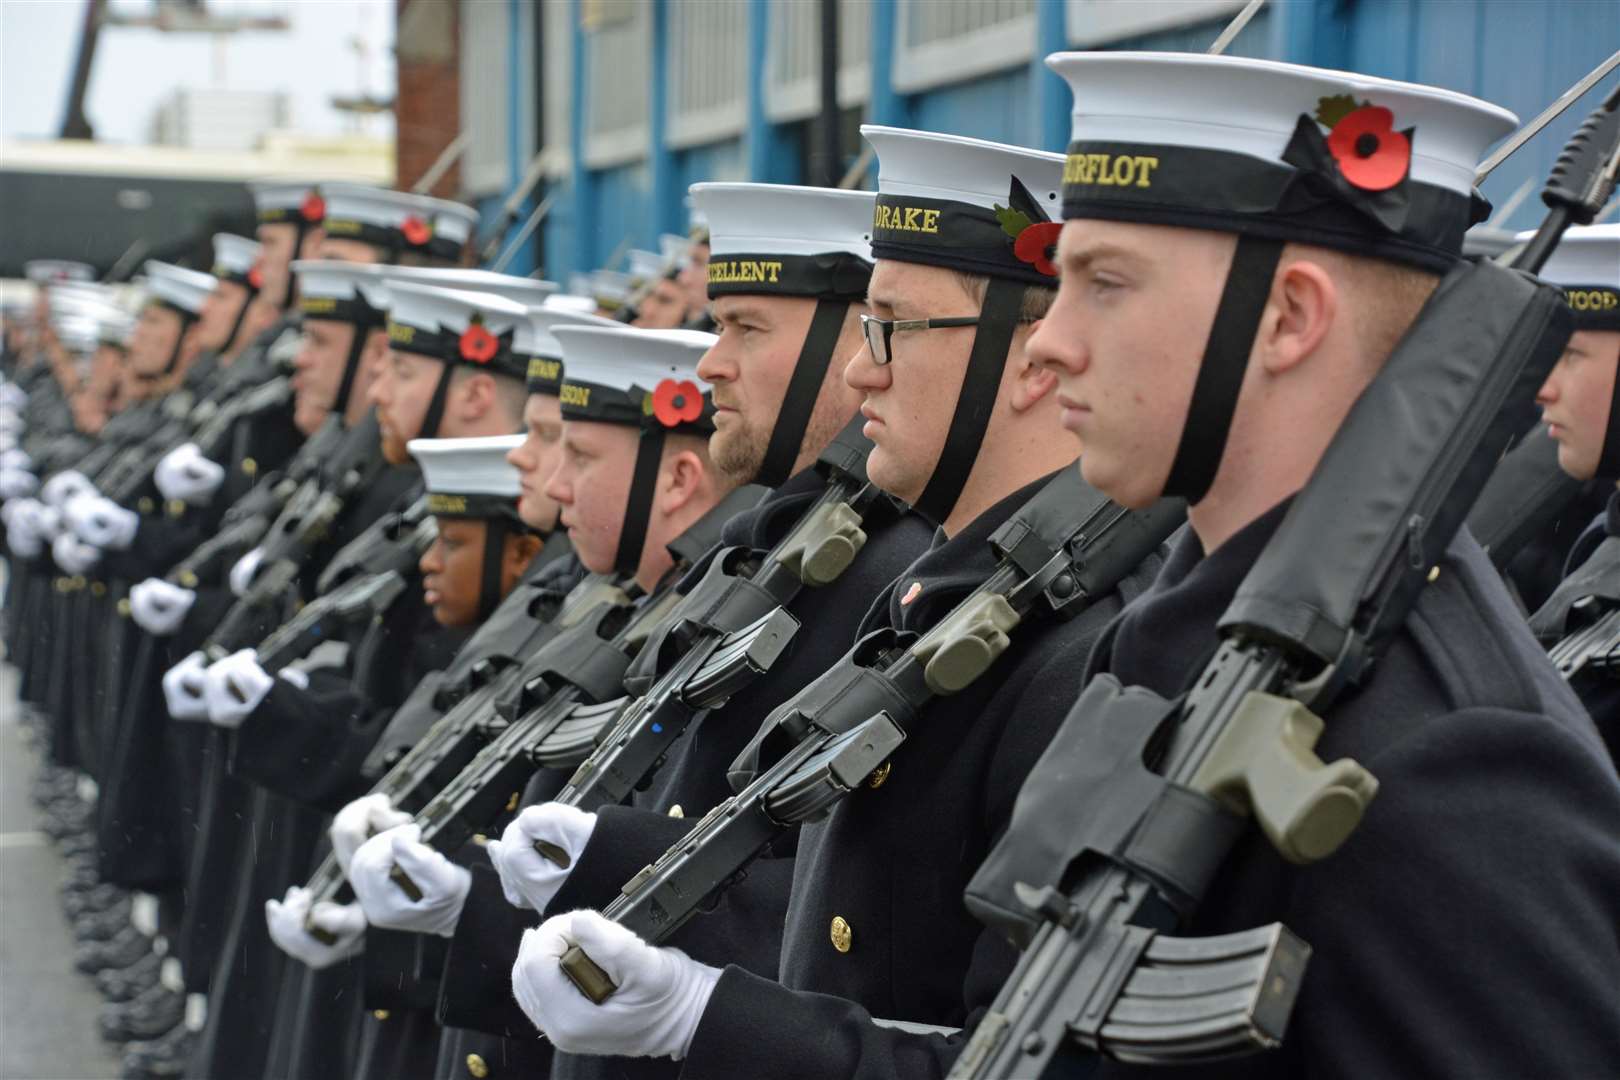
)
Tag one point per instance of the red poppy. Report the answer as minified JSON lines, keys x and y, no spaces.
{"x":416,"y":230}
{"x":478,"y":345}
{"x":256,"y":278}
{"x":314,"y":208}
{"x":677,"y":402}
{"x":1371,"y":153}
{"x":1036,"y":245}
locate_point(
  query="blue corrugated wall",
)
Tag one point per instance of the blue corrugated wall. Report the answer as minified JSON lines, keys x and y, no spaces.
{"x":1518,"y":53}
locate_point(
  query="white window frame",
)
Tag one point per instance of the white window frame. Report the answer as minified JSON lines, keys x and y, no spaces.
{"x":623,"y":146}
{"x":557,"y":70}
{"x":1089,"y":23}
{"x":718,"y":122}
{"x":801,"y":99}
{"x":941,"y":63}
{"x":485,"y":97}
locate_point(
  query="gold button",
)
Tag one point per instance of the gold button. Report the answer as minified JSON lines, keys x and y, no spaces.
{"x":188,"y":579}
{"x":480,"y":839}
{"x":97,"y":589}
{"x":841,"y":934}
{"x":249,"y":466}
{"x":676,"y":811}
{"x":879,"y":774}
{"x":512,"y":803}
{"x":145,"y":505}
{"x":77,"y":581}
{"x":380,"y":1014}
{"x":175,"y":507}
{"x":123,"y":607}
{"x":476,"y":1067}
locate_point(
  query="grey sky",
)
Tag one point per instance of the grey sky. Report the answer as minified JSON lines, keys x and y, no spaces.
{"x":136,"y":69}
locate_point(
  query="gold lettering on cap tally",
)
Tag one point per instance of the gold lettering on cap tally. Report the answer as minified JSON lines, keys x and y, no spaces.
{"x":346,"y":228}
{"x":743,"y":271}
{"x":318,"y":305}
{"x":1110,"y":170}
{"x":446,"y":504}
{"x":541,"y":368}
{"x":400,"y":334}
{"x":576,"y":395}
{"x":906,"y":219}
{"x":1592,"y":299}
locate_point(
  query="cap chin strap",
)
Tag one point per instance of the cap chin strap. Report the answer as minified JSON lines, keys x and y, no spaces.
{"x":1220,"y":374}
{"x":638,"y":507}
{"x":1608,"y":467}
{"x":351,"y":366}
{"x":241,"y":317}
{"x":301,"y":227}
{"x":803,"y":390}
{"x":998,"y":318}
{"x":496,"y":529}
{"x":435,"y":409}
{"x":187,"y":319}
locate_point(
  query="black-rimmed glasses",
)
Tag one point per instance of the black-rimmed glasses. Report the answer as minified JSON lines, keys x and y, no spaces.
{"x":878,"y":332}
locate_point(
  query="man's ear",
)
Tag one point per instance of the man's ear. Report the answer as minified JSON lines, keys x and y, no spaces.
{"x":1032,"y":382}
{"x":683,"y":475}
{"x":520,"y":551}
{"x":477,"y":396}
{"x":1299,"y":313}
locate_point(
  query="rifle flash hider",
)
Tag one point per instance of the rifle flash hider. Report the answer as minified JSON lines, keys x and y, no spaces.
{"x":1265,"y":763}
{"x":827,"y":543}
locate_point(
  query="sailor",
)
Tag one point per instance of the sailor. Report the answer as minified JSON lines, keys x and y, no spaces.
{"x":367,"y":224}
{"x":777,"y":373}
{"x":1580,"y":403}
{"x":234,"y":260}
{"x":657,"y":301}
{"x":965,"y":429}
{"x":1234,"y":273}
{"x":694,"y":275}
{"x":290,"y":215}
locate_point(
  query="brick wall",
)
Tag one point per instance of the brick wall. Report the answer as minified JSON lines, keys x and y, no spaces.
{"x":427,"y":105}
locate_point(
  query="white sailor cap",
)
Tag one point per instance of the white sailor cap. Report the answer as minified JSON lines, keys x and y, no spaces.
{"x":398,"y":221}
{"x":234,"y":257}
{"x":468,"y":477}
{"x":459,"y":327}
{"x":51,"y":271}
{"x":1586,"y":264}
{"x":1353,"y":162}
{"x":645,"y":267}
{"x":522,"y":290}
{"x":343,"y":291}
{"x":545,"y":354}
{"x":570,"y":301}
{"x":610,"y":288}
{"x":675,"y":249}
{"x":179,"y":288}
{"x":77,"y":333}
{"x":965,"y":204}
{"x":281,"y":201}
{"x":787,"y":240}
{"x":644,"y":378}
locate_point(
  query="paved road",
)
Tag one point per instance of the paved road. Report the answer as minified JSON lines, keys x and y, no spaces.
{"x":47,"y":1010}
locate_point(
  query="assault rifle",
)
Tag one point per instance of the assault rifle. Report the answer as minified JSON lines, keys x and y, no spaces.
{"x":1589,"y":599}
{"x":450,"y":743}
{"x":736,"y":626}
{"x":1526,"y":493}
{"x":306,"y":521}
{"x":575,"y":682}
{"x":1128,"y":815}
{"x":1067,"y":546}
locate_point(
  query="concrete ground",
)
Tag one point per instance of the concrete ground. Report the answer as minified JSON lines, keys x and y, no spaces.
{"x":47,"y":1010}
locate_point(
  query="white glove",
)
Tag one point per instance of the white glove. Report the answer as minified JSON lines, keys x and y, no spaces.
{"x":158,"y":607}
{"x":654,"y":1013}
{"x":64,"y":485}
{"x":442,"y":883}
{"x":11,"y":421}
{"x":17,"y":483}
{"x":233,"y":688}
{"x":105,"y":524}
{"x":8,"y":440}
{"x":242,"y":573}
{"x":22,"y":527}
{"x":288,"y":919}
{"x":359,"y":821}
{"x":184,"y":686}
{"x":528,"y":878}
{"x":47,"y":522}
{"x":73,"y":555}
{"x":13,"y":457}
{"x":12,"y":396}
{"x":186,"y":475}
